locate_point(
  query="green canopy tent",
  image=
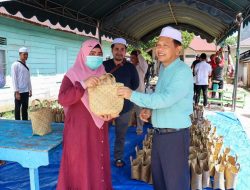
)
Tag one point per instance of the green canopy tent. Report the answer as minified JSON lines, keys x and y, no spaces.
{"x":138,"y":20}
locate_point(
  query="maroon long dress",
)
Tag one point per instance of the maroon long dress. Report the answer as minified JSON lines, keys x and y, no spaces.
{"x":85,"y":163}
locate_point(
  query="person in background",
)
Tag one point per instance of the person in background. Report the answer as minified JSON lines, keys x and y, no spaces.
{"x":125,"y":73}
{"x":85,"y":160}
{"x":141,"y":66}
{"x":202,"y":71}
{"x":21,"y":84}
{"x":149,"y":73}
{"x":212,"y":61}
{"x":219,"y":54}
{"x":197,"y":60}
{"x":230,"y":67}
{"x":171,"y":105}
{"x":217,"y":75}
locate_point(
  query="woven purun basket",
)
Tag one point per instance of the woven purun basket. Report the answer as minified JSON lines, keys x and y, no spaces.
{"x":103,"y":98}
{"x":231,"y":174}
{"x":41,"y":117}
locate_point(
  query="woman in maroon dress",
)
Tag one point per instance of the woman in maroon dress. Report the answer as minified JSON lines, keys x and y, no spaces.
{"x":85,"y":163}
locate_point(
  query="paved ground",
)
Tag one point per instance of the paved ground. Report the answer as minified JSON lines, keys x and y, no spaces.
{"x":47,"y":87}
{"x":243,"y":114}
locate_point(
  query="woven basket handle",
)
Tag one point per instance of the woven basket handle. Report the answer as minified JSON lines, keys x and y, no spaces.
{"x":237,"y":166}
{"x":236,"y":157}
{"x":36,"y":103}
{"x":107,"y":78}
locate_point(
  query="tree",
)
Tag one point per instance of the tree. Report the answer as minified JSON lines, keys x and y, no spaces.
{"x":186,"y":40}
{"x":231,"y":40}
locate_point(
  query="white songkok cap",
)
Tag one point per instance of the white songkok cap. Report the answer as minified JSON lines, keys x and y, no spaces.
{"x":23,"y":50}
{"x":120,"y":41}
{"x":171,"y":33}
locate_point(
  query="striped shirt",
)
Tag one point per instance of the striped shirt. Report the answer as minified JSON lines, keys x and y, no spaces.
{"x":20,"y":77}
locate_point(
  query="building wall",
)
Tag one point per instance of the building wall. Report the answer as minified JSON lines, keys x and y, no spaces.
{"x":244,"y":72}
{"x":209,"y":53}
{"x":189,"y":55}
{"x":242,"y":76}
{"x":50,"y":51}
{"x":248,"y":74}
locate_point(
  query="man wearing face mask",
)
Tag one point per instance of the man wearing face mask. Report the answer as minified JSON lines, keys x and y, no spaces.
{"x":125,"y":73}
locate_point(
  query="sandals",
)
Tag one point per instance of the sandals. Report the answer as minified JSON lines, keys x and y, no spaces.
{"x":119,"y":163}
{"x":2,"y":162}
{"x":139,"y":131}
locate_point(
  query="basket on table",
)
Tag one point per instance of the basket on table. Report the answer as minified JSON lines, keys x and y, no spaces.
{"x":58,"y":113}
{"x":103,"y":98}
{"x":41,"y":117}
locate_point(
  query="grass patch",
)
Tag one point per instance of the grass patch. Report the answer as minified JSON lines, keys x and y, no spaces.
{"x":7,"y":115}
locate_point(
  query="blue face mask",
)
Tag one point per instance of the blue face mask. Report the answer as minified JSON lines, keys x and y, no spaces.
{"x":93,"y":62}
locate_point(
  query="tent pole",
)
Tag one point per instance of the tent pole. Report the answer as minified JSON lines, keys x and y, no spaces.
{"x":99,"y":32}
{"x":239,"y":20}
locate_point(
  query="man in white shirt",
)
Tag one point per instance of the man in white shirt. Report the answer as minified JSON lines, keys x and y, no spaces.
{"x":141,"y":66}
{"x":202,"y":72}
{"x":21,"y":84}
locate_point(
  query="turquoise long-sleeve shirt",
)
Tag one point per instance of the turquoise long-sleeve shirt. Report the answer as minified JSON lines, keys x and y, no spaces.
{"x":172,"y":101}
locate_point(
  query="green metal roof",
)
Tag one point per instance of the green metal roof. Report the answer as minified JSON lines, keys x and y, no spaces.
{"x":136,"y":19}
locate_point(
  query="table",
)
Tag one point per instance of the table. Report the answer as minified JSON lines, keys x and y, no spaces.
{"x":17,"y":144}
{"x":215,"y":100}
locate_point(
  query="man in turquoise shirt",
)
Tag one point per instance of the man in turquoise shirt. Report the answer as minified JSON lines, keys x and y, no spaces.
{"x":171,"y":105}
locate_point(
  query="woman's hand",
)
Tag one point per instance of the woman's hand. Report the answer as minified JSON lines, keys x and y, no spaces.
{"x":109,"y":116}
{"x":124,"y":92}
{"x":91,"y":81}
{"x":145,"y":114}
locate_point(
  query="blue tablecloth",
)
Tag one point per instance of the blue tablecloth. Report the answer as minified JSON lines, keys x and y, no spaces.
{"x":235,"y":137}
{"x":14,"y":177}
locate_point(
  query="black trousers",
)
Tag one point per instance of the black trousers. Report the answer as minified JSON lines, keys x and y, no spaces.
{"x":170,"y":161}
{"x":22,"y":103}
{"x":198,"y":93}
{"x":195,"y":90}
{"x":121,"y":127}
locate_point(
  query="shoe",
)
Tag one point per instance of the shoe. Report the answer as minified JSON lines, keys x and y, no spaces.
{"x":139,"y":131}
{"x":119,"y":163}
{"x":2,"y":162}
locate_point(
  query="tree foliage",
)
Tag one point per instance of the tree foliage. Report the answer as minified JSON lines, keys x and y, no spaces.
{"x":143,"y":47}
{"x":186,"y":39}
{"x":231,"y":40}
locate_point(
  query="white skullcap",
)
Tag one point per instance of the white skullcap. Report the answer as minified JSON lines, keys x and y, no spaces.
{"x":171,"y":33}
{"x":23,"y":50}
{"x":120,"y":41}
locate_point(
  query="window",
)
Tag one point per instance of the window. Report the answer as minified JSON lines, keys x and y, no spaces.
{"x":3,"y":41}
{"x":190,"y":56}
{"x":2,"y":68}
